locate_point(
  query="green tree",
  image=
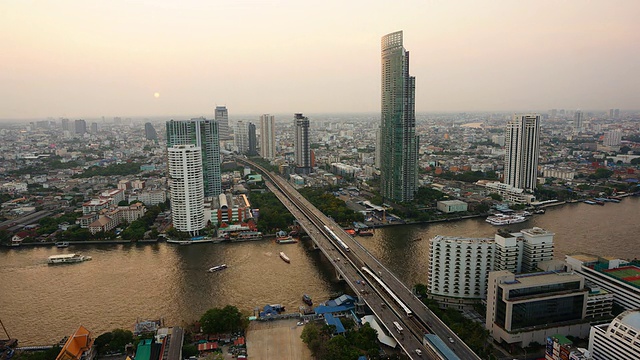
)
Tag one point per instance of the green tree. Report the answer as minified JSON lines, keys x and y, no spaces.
{"x":224,"y":320}
{"x":603,"y":173}
{"x":189,"y":350}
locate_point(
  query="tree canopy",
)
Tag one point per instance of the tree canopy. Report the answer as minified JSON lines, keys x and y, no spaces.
{"x":227,"y":319}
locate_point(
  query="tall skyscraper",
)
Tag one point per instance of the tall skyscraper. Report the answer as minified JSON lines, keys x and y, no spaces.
{"x":187,"y":188}
{"x":522,"y":150}
{"x":241,"y":137}
{"x":302,"y":145}
{"x":398,"y":141}
{"x":150,"y":132}
{"x":267,"y":137}
{"x":80,"y":127}
{"x":202,"y":133}
{"x":578,"y":122}
{"x":253,"y":140}
{"x":222,"y":117}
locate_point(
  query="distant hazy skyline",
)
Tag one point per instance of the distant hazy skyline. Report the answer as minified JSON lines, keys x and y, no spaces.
{"x":70,"y":58}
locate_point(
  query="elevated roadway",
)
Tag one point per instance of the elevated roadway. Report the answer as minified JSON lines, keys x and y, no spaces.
{"x":391,"y":302}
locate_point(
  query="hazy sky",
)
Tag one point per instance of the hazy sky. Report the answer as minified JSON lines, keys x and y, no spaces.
{"x":91,"y":58}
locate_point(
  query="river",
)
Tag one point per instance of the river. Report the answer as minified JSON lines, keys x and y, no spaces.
{"x":39,"y":303}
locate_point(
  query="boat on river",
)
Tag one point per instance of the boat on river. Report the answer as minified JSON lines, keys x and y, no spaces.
{"x":286,"y":240}
{"x":217,"y":268}
{"x":307,"y":299}
{"x":67,"y":259}
{"x":502,"y":219}
{"x":284,"y":257}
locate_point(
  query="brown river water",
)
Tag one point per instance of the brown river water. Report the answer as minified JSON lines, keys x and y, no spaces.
{"x":40,"y":303}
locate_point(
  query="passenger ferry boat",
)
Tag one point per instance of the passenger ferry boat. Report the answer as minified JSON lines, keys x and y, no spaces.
{"x":501,"y":219}
{"x":217,"y":268}
{"x":284,"y":257}
{"x":67,"y":259}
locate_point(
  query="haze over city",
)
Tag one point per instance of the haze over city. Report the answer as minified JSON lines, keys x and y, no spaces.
{"x":158,"y":58}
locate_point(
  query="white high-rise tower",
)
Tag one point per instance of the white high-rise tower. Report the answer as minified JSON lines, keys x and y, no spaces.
{"x":267,"y":136}
{"x":241,"y":137}
{"x":187,"y":188}
{"x":522,"y":149}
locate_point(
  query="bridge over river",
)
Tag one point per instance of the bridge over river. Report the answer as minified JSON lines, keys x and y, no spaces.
{"x":404,"y":316}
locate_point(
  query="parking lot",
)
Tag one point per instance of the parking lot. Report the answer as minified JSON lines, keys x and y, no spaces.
{"x":278,"y":339}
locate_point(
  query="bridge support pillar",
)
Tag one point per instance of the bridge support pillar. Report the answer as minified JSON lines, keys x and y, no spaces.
{"x":361,"y":307}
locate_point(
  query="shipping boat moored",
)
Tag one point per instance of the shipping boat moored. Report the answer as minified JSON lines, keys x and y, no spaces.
{"x":307,"y":299}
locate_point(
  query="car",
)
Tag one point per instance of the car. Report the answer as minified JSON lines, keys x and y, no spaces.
{"x":419,"y":352}
{"x":300,"y":323}
{"x":451,"y":340}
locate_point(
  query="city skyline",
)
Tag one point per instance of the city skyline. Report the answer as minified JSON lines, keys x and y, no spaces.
{"x":115,"y":59}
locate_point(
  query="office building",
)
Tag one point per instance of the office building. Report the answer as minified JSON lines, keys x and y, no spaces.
{"x":241,"y":137}
{"x":459,"y":267}
{"x":253,"y":140}
{"x":150,"y":132}
{"x":267,"y":136}
{"x":614,"y":275}
{"x":612,"y":138}
{"x":202,"y":133}
{"x":578,"y":119}
{"x":522,"y":150}
{"x":94,"y":128}
{"x":65,"y":125}
{"x":222,"y":117}
{"x":80,"y":127}
{"x":619,"y":339}
{"x":398,"y":141}
{"x":302,"y":145}
{"x":187,"y":188}
{"x":522,"y":309}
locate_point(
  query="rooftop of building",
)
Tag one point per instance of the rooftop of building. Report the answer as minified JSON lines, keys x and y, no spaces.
{"x":561,"y":339}
{"x":461,"y":239}
{"x":630,"y":318}
{"x":543,"y":278}
{"x":622,"y":270}
{"x":629,"y":274}
{"x":536,"y":231}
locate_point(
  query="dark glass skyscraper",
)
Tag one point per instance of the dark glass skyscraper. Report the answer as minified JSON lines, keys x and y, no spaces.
{"x":302,"y":145}
{"x":253,"y":140}
{"x":150,"y":132}
{"x":202,"y":133}
{"x":398,"y":141}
